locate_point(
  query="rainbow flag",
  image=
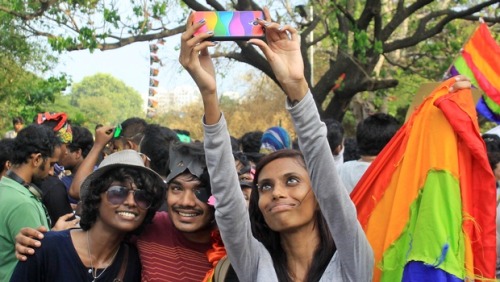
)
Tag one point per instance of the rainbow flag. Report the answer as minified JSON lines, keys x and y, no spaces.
{"x":479,"y":60}
{"x":428,"y":201}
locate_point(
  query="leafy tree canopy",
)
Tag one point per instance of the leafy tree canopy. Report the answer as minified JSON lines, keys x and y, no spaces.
{"x":106,"y":100}
{"x":362,"y":42}
{"x":23,"y":63}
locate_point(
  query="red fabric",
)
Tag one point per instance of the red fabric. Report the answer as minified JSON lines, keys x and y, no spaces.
{"x":476,"y":180}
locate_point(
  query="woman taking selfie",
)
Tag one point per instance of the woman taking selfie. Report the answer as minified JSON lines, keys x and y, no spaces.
{"x":118,"y":199}
{"x":302,"y":224}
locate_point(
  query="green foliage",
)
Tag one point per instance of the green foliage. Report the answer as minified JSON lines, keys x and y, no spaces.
{"x":60,"y":43}
{"x":37,"y":92}
{"x":366,"y":58}
{"x":105,"y":99}
{"x":27,"y":94}
{"x":23,"y":63}
{"x":361,"y":44}
{"x":111,"y":16}
{"x":159,"y":10}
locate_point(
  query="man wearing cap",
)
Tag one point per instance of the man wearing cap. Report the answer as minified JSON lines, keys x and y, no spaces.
{"x":181,"y":237}
{"x":36,"y":149}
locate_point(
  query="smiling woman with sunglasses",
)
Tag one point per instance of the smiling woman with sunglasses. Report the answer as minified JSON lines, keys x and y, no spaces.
{"x":118,"y":199}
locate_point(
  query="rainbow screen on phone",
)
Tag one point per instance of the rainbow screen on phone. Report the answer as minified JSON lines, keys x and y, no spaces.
{"x":230,"y":25}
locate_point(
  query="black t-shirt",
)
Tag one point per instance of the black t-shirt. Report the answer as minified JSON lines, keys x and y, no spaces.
{"x":55,"y":197}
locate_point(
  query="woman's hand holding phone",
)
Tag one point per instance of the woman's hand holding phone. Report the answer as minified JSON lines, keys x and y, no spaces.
{"x":194,"y":57}
{"x":282,"y":51}
{"x":230,"y":25}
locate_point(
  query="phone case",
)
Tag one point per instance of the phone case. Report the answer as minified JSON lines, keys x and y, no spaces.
{"x":230,"y":25}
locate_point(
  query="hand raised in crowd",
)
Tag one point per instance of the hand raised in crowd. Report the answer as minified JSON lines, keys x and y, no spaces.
{"x":103,"y":135}
{"x":462,"y":82}
{"x":63,"y":223}
{"x":282,"y":51}
{"x":194,"y":56}
{"x":27,"y":239}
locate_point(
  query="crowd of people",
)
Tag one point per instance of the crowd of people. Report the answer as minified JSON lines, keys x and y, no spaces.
{"x":143,"y":202}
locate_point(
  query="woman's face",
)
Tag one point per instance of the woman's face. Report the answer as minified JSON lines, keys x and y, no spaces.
{"x":496,"y":171}
{"x":285,"y":196}
{"x":125,"y":216}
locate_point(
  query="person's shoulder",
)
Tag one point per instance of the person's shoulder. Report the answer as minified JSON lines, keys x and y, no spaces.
{"x":8,"y":182}
{"x":346,"y":165}
{"x":15,"y":198}
{"x":54,"y":242}
{"x":57,"y":236}
{"x":10,"y":134}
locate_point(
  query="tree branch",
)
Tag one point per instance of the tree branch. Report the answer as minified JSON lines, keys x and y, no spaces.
{"x":217,"y":6}
{"x":372,"y":8}
{"x":44,"y":6}
{"x":125,"y":41}
{"x":346,"y":14}
{"x":485,"y":19}
{"x":311,"y":28}
{"x":401,"y":15}
{"x":403,"y":67}
{"x":247,"y":5}
{"x":422,"y":33}
{"x":250,"y":56}
{"x":194,"y":5}
{"x":317,"y":39}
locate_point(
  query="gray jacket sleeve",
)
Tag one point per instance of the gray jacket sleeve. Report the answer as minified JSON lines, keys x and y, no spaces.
{"x":231,"y":214}
{"x":353,"y":249}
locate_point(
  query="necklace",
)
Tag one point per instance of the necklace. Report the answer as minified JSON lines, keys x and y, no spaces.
{"x":92,"y":270}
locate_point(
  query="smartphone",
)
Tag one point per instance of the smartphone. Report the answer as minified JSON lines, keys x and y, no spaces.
{"x":230,"y":25}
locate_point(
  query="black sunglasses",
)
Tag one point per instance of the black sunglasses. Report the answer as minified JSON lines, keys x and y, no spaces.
{"x":117,"y":195}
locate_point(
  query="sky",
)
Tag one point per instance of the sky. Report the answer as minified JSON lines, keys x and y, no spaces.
{"x":131,"y":65}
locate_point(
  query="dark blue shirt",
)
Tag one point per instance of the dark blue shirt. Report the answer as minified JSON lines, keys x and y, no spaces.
{"x":57,"y":260}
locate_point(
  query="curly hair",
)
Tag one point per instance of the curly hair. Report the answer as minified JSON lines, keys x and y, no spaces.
{"x":34,"y":139}
{"x":142,"y":179}
{"x":82,"y":139}
{"x":272,"y":240}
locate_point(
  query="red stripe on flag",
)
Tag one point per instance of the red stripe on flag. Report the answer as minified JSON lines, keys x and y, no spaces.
{"x":483,"y":82}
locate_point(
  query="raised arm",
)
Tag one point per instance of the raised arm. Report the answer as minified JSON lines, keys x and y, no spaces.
{"x":353,"y":250}
{"x":231,"y":213}
{"x":194,"y":57}
{"x":282,"y":51}
{"x":102,"y":136}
